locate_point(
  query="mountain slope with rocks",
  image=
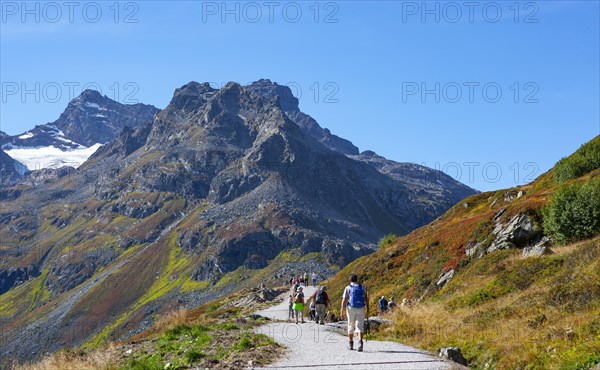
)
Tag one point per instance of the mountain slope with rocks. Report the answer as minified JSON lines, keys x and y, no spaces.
{"x":220,"y":190}
{"x":8,"y":169}
{"x":510,"y":277}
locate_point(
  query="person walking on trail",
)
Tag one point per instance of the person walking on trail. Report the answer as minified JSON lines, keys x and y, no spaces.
{"x":383,"y":305}
{"x":314,"y":279}
{"x":321,"y":299}
{"x":355,"y":305}
{"x":291,"y":307}
{"x":299,"y":304}
{"x":306,"y":279}
{"x":313,"y":312}
{"x":392,"y":304}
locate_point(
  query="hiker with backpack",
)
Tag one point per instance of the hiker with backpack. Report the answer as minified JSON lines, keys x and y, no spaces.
{"x":383,"y":305}
{"x":321,"y":299}
{"x":355,"y":304}
{"x":299,"y":304}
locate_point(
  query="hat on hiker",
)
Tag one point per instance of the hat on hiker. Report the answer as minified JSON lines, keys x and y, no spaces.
{"x":299,"y":288}
{"x":382,"y":297}
{"x":323,"y":288}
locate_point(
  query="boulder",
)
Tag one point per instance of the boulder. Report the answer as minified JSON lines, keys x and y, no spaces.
{"x":445,"y":278}
{"x":539,"y":249}
{"x":454,"y":354}
{"x":375,"y":322}
{"x":474,"y":249}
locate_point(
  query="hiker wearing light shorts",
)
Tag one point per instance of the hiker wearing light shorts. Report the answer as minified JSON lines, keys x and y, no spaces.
{"x":355,"y":305}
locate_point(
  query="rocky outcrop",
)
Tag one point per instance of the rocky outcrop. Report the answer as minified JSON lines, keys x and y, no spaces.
{"x":539,"y":249}
{"x":445,"y":278}
{"x":14,"y":276}
{"x":75,"y":267}
{"x":518,"y":232}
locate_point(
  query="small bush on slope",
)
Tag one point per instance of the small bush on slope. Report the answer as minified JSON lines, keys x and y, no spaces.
{"x":583,"y":161}
{"x":573,"y":212}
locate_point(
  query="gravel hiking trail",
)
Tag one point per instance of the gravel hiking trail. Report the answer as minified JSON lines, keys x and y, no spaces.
{"x":312,"y":346}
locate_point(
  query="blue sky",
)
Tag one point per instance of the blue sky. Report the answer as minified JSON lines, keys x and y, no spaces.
{"x":510,"y":89}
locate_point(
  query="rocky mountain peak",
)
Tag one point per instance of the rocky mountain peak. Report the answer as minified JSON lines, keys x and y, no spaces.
{"x":92,"y":118}
{"x":290,"y":105}
{"x":272,"y":90}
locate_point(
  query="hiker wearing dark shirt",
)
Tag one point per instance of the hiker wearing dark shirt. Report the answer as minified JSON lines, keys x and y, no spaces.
{"x":321,"y":299}
{"x":383,"y":304}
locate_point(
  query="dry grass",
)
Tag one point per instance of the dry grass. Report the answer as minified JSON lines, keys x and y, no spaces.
{"x":170,"y":320}
{"x":102,"y":359}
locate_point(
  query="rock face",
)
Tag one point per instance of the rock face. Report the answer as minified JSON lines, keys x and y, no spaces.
{"x":88,"y":119}
{"x":15,"y":276}
{"x":289,"y":104}
{"x":238,"y":149}
{"x":441,"y":189}
{"x":8,"y":169}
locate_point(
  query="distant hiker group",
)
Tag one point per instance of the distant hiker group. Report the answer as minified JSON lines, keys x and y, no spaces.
{"x":302,"y":280}
{"x":384,"y":305}
{"x":319,"y":302}
{"x":354,"y":307}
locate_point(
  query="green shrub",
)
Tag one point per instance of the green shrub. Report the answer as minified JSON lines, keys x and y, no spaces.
{"x":193,"y":356}
{"x":573,"y":212}
{"x":584,"y":160}
{"x":387,"y":240}
{"x":153,"y":362}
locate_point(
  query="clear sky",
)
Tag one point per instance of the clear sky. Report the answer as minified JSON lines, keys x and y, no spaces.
{"x":493,"y":93}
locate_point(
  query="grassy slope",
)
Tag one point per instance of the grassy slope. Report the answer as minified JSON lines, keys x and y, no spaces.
{"x":501,"y":310}
{"x":217,"y":335}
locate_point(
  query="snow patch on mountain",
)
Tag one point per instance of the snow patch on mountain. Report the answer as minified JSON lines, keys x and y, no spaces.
{"x":50,"y":157}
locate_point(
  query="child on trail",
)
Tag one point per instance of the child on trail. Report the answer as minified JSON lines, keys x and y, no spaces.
{"x":291,"y":307}
{"x":313,"y":310}
{"x":299,"y":304}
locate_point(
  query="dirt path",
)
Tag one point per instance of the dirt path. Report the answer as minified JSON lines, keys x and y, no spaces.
{"x":314,"y":346}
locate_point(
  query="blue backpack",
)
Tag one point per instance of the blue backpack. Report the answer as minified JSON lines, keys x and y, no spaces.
{"x":357,"y":296}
